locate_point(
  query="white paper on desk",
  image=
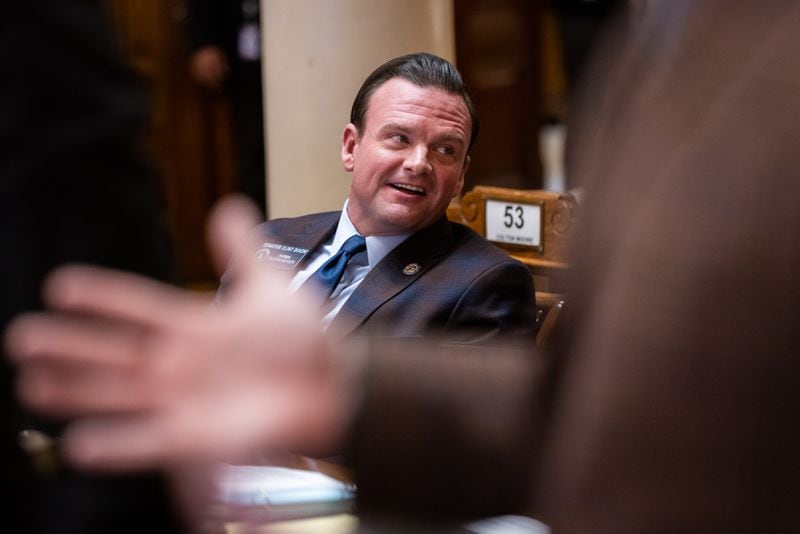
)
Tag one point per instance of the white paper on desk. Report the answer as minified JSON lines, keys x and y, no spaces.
{"x":246,"y":485}
{"x":507,"y":524}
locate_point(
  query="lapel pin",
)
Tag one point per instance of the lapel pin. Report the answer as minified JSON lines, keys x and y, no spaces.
{"x":411,"y":268}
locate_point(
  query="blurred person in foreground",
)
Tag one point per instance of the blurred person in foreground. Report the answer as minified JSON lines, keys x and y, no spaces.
{"x":74,"y":186}
{"x":670,"y":406}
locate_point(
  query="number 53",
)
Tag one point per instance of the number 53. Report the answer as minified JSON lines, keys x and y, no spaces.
{"x":508,"y":217}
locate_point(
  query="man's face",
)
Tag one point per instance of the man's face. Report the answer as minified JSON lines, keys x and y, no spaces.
{"x":409,"y":160}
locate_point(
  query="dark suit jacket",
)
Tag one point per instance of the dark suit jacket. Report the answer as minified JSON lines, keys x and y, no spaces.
{"x":673,"y":407}
{"x":465,"y":290}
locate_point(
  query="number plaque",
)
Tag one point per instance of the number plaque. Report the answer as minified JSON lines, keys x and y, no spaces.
{"x":517,"y":224}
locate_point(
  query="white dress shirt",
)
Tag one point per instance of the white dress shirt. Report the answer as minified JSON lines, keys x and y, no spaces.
{"x":356,"y":270}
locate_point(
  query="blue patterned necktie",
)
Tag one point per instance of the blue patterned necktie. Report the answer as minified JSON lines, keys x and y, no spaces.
{"x":327,"y":277}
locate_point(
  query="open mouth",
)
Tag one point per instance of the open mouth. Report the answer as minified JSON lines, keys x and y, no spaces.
{"x":410,"y":189}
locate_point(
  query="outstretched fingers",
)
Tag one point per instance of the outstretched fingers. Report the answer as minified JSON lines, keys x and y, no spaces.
{"x":120,"y":296}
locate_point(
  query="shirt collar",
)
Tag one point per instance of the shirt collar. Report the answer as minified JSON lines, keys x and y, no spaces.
{"x":377,"y":246}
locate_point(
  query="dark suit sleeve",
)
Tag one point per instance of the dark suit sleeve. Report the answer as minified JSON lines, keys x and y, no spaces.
{"x":445,"y":433}
{"x":500,"y":303}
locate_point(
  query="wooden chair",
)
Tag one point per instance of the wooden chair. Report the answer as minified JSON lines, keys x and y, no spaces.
{"x":532,"y":225}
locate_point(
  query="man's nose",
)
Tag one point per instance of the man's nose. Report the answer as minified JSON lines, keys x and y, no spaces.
{"x":417,"y":160}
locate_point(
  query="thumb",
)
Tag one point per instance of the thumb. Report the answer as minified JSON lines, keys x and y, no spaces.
{"x":229,"y":226}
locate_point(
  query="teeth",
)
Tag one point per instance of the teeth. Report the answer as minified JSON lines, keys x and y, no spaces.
{"x":412,"y":188}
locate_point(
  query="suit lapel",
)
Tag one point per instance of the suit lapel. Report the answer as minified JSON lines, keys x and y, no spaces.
{"x":316,"y":232}
{"x":398,"y":270}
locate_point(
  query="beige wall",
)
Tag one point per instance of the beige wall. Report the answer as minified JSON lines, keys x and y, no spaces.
{"x":316,"y":54}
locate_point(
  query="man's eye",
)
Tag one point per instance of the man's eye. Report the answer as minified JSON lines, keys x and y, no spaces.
{"x":399,"y":138}
{"x":448,"y":150}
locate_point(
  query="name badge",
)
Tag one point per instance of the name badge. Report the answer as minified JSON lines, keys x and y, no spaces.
{"x":284,"y":257}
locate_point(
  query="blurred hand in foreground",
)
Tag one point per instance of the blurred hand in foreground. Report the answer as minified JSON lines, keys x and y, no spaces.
{"x":152,"y":376}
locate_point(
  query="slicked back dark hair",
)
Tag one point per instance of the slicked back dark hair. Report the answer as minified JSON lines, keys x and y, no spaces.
{"x":421,"y":69}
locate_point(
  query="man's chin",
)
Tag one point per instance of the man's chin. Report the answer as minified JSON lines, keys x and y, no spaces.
{"x":394,"y":225}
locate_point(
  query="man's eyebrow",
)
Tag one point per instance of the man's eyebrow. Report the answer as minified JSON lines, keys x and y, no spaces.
{"x":393,"y":126}
{"x":453,"y":138}
{"x":446,"y":137}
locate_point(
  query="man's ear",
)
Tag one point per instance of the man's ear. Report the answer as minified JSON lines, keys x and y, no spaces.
{"x":349,"y":140}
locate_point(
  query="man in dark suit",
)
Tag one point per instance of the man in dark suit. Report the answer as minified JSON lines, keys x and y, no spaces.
{"x":671,"y":405}
{"x":407,"y":146}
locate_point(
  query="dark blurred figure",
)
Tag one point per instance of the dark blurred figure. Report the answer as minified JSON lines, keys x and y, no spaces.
{"x":225,"y":40}
{"x":676,"y":403}
{"x":73,"y":187}
{"x":580,"y":23}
